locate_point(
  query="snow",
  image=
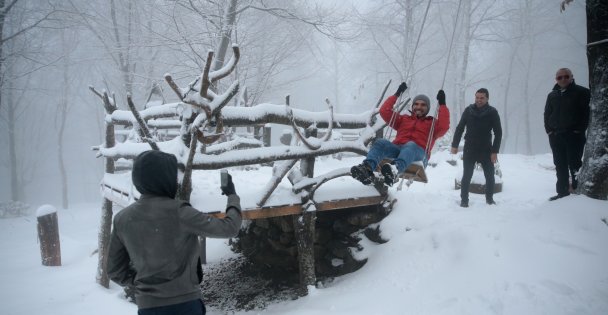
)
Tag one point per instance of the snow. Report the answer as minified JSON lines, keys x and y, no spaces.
{"x":44,"y":210}
{"x":525,"y":255}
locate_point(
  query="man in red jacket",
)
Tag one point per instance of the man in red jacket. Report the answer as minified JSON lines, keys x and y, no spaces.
{"x":410,"y":143}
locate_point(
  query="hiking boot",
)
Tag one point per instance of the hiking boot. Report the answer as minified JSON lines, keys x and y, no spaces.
{"x":363,"y":173}
{"x":464,"y":203}
{"x":558,"y":196}
{"x":490,"y":201}
{"x":390,"y":174}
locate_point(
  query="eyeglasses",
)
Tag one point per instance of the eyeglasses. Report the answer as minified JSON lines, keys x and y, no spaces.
{"x":565,"y":77}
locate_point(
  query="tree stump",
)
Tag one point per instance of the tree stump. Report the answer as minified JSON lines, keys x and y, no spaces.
{"x":48,"y":234}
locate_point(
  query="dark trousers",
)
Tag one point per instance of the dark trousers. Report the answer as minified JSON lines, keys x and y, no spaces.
{"x":567,"y":148}
{"x":469,"y":161}
{"x":194,"y":307}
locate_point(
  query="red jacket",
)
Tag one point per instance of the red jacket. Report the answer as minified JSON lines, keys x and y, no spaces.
{"x":411,"y":128}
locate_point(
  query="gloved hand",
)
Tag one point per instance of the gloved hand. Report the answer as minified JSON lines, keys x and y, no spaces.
{"x":402,"y":87}
{"x":441,"y":97}
{"x":229,"y":188}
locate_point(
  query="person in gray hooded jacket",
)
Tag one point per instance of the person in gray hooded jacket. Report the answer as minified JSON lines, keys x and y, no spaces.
{"x":154,"y":244}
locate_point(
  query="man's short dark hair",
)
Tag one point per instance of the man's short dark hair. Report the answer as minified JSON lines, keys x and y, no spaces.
{"x":484,"y":91}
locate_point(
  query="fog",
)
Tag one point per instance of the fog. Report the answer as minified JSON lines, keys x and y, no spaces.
{"x":346,"y":51}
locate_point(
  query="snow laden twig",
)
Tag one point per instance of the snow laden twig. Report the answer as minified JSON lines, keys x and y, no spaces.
{"x":144,"y":132}
{"x":279,"y":170}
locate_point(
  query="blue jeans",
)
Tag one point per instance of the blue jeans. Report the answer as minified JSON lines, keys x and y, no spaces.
{"x":194,"y":307}
{"x":402,"y":155}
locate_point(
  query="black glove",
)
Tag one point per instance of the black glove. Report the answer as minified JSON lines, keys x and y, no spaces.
{"x":229,"y":188}
{"x":441,"y":97}
{"x":402,"y":87}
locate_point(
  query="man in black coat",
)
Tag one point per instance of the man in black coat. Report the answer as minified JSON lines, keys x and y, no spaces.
{"x":480,"y":119}
{"x":566,"y":120}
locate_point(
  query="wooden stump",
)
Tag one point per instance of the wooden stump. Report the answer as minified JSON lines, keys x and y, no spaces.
{"x":48,"y":234}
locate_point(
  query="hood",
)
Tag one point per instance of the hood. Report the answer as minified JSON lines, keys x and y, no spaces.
{"x":155,"y":173}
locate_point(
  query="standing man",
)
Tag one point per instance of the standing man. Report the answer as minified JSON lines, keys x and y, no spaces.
{"x":566,"y":120}
{"x":410,"y":143}
{"x":154,"y":245}
{"x":480,"y":119}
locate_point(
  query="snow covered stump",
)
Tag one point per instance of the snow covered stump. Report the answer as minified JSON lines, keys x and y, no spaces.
{"x":48,"y":234}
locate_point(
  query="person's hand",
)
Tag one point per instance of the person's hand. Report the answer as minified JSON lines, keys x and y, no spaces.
{"x":402,"y":87}
{"x":454,"y":150}
{"x":494,"y":157}
{"x":229,"y":188}
{"x":441,"y":97}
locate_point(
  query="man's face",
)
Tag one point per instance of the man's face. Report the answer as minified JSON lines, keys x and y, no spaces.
{"x":420,"y":108}
{"x":563,"y":78}
{"x":480,"y":99}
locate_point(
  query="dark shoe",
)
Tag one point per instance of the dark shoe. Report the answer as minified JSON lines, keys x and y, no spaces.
{"x":490,"y":201}
{"x":558,"y":196}
{"x":464,"y":203}
{"x":389,"y":172}
{"x":363,"y":173}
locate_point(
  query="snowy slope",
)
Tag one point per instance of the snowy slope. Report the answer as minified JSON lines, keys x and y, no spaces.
{"x":524,"y":255}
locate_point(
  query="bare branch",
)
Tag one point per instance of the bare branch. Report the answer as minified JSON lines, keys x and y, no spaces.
{"x":205,"y":81}
{"x":174,"y":86}
{"x":278,"y":172}
{"x":144,"y":132}
{"x":229,"y":67}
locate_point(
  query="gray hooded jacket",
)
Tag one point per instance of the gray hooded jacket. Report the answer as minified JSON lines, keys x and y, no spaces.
{"x":154,"y":245}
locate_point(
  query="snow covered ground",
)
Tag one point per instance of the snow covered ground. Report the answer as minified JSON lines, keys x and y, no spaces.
{"x":524,"y":255}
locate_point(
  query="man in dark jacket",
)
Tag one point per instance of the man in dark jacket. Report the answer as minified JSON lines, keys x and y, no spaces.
{"x":566,"y":120}
{"x":154,"y":245}
{"x":480,"y":119}
{"x":410,"y":143}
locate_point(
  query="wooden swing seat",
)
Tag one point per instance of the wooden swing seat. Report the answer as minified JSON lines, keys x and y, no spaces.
{"x":414,"y":171}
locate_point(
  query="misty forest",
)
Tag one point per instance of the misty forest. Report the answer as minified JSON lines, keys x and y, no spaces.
{"x":59,"y":59}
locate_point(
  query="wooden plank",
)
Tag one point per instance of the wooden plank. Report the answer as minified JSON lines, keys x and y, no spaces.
{"x":277,"y":211}
{"x":350,"y":203}
{"x":415,"y":172}
{"x":260,"y":213}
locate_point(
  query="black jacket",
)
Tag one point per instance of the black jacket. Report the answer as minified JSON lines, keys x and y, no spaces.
{"x":154,"y":243}
{"x":479,"y":123}
{"x":567,"y":110}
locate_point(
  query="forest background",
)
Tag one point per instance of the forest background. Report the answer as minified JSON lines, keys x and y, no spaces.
{"x":346,"y":51}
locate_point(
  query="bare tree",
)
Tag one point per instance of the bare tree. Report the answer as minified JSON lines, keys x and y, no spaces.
{"x":17,"y":19}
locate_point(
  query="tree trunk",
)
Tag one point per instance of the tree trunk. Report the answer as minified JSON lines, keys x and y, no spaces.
{"x":63,"y":112}
{"x":226,"y":35}
{"x":593,"y":177}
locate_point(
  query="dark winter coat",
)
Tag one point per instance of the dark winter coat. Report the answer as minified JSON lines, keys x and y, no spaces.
{"x":154,"y":244}
{"x":479,"y":123}
{"x":413,"y":128}
{"x":567,"y":110}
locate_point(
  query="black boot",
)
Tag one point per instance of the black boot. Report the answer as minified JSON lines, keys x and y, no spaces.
{"x":390,"y":174}
{"x":558,"y":196}
{"x":363,"y":173}
{"x":464,"y":203}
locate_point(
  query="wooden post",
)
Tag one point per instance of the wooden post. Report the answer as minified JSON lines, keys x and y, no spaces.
{"x":267,"y":135}
{"x":106,"y":209}
{"x":48,"y":234}
{"x":304,"y":228}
